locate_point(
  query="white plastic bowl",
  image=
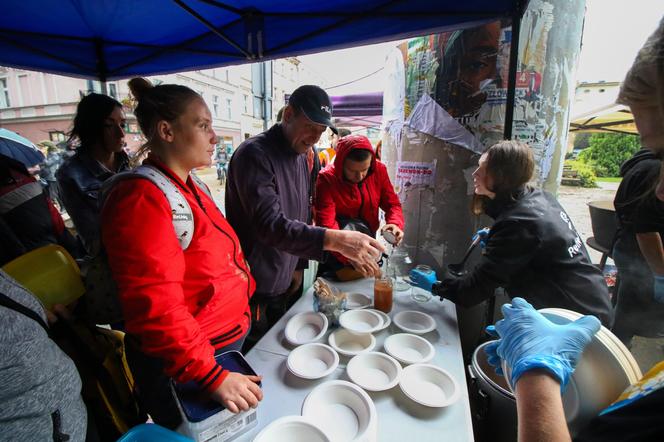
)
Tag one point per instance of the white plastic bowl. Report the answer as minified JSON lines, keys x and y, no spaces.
{"x":384,"y":316}
{"x":357,"y":300}
{"x":360,"y":321}
{"x":374,"y":371}
{"x":312,"y":361}
{"x":429,"y":385}
{"x":292,"y":429}
{"x":342,"y":410}
{"x":306,"y":327}
{"x":415,"y":322}
{"x":351,"y":344}
{"x":409,"y":349}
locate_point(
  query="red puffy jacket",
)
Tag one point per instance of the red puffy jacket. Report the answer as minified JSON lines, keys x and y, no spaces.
{"x":337,"y":197}
{"x":180,"y":304}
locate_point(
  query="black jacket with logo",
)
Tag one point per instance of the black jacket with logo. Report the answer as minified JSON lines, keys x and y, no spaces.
{"x":533,"y":251}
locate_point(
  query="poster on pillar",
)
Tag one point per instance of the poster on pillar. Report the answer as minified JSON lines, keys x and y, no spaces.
{"x":529,"y":102}
{"x":465,"y":72}
{"x":414,"y":174}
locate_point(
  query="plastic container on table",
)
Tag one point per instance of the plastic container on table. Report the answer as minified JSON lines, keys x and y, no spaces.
{"x":204,"y":419}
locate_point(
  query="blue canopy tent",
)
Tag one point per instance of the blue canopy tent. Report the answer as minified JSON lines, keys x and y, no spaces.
{"x":113,"y":39}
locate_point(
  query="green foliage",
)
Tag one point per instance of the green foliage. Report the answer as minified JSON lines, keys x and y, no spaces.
{"x":606,"y":152}
{"x":581,"y":140}
{"x":585,"y":172}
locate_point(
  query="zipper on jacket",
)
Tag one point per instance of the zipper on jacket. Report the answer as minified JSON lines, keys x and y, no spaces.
{"x":200,"y":204}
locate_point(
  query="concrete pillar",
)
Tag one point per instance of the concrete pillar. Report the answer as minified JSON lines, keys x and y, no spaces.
{"x":550,"y":43}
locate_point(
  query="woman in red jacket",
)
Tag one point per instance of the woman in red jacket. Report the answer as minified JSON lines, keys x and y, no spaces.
{"x":354,"y":188}
{"x":181,"y":307}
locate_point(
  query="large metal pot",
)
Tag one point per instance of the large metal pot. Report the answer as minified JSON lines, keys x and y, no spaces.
{"x":495,"y":403}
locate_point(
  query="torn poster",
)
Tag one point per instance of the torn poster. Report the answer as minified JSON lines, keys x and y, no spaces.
{"x":430,"y":118}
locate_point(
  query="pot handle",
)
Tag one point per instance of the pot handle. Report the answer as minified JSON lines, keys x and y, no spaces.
{"x":481,"y":398}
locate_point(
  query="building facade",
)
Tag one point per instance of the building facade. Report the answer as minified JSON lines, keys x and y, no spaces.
{"x":41,"y":106}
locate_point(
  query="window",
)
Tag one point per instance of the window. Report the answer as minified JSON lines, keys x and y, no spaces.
{"x":229,"y":105}
{"x":246,"y":103}
{"x":93,"y":86}
{"x":215,"y":105}
{"x":57,"y":136}
{"x":113,"y":90}
{"x":4,"y":93}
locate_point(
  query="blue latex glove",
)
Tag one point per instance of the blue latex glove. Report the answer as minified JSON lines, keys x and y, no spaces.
{"x":423,"y":280}
{"x":529,"y":341}
{"x":658,"y":288}
{"x":482,"y":235}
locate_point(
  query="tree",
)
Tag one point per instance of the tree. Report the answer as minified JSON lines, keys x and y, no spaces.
{"x":606,"y":152}
{"x":581,"y":140}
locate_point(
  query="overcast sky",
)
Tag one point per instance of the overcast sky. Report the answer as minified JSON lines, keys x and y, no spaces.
{"x":614,"y":31}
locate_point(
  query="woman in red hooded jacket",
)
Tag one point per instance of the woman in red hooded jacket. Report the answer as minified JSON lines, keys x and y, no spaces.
{"x":355,"y":187}
{"x":181,"y":306}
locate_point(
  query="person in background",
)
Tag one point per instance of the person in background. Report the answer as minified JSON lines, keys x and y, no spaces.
{"x":28,"y":217}
{"x":639,"y":202}
{"x":99,"y":127}
{"x":542,"y":357}
{"x":47,"y":170}
{"x":354,"y":188}
{"x":532,"y":250}
{"x":40,"y":398}
{"x":180,"y":306}
{"x":638,"y":251}
{"x":313,"y":163}
{"x":326,"y":156}
{"x":268,"y":204}
{"x":379,"y":149}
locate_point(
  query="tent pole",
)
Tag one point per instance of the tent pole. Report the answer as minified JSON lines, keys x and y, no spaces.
{"x":511,"y":78}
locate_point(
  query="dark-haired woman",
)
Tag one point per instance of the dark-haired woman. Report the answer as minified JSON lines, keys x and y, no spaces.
{"x":532,"y":250}
{"x":99,"y":130}
{"x":181,"y":305}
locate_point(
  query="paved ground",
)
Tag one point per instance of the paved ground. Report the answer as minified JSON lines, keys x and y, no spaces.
{"x":574,"y":200}
{"x":209,"y":176}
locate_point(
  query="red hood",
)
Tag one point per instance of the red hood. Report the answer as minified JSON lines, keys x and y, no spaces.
{"x":344,"y":146}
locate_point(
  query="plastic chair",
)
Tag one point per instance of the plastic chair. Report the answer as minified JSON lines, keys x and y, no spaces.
{"x":50,"y":273}
{"x":151,"y":433}
{"x":604,"y":225}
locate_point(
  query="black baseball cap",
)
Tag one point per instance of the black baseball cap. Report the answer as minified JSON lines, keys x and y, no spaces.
{"x":315,"y":103}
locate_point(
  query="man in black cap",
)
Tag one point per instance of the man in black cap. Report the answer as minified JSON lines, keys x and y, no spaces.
{"x":268,"y":205}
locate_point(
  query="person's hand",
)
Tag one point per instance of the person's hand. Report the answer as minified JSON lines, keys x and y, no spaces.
{"x":395,"y":231}
{"x":423,"y":280}
{"x":361,"y":250}
{"x":530,"y":341}
{"x":238,"y":392}
{"x":658,"y":288}
{"x":482,"y":235}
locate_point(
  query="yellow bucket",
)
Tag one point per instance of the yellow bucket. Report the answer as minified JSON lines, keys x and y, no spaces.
{"x":50,"y":273}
